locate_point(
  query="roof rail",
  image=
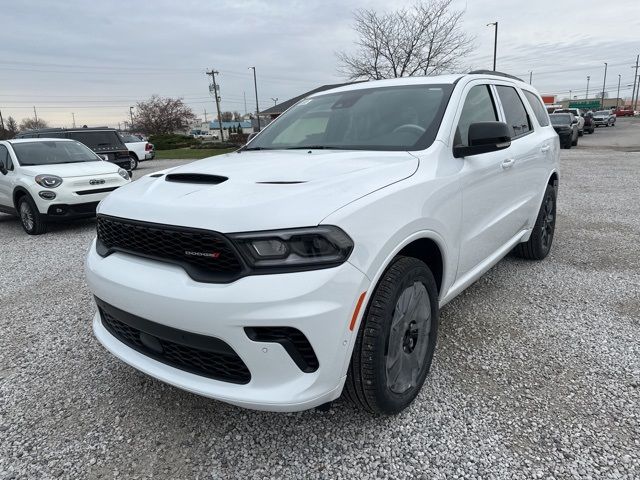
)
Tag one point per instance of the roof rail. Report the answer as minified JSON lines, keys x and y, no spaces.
{"x":493,"y":72}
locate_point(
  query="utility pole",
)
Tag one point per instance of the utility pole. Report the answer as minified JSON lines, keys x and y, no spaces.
{"x":495,"y":43}
{"x":530,"y":77}
{"x":131,"y":116}
{"x":73,"y":115}
{"x":569,"y":98}
{"x":1,"y":121}
{"x":216,"y":95}
{"x":618,"y":94}
{"x":587,"y":95}
{"x":635,"y":76}
{"x":255,"y":86}
{"x":604,"y":84}
{"x":244,"y":97}
{"x":635,"y":105}
{"x":35,"y":114}
{"x":275,"y":101}
{"x":205,"y":115}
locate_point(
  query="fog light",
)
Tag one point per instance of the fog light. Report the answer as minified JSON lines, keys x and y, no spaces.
{"x":47,"y":194}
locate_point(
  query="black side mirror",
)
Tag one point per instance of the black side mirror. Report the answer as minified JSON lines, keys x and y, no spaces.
{"x":484,"y":137}
{"x":3,"y":168}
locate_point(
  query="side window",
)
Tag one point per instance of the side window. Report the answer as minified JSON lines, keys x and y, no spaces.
{"x":537,"y":107}
{"x":478,"y":107}
{"x":514,"y":111}
{"x":4,"y":158}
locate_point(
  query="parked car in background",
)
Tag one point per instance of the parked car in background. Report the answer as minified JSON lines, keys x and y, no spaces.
{"x":103,"y":141}
{"x":44,"y":180}
{"x":566,"y":125}
{"x":139,"y":149}
{"x":578,"y":114}
{"x":624,"y":112}
{"x":589,"y":124}
{"x":199,"y":284}
{"x":604,"y":118}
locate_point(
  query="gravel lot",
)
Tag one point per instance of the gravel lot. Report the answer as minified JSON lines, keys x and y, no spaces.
{"x":536,"y":374}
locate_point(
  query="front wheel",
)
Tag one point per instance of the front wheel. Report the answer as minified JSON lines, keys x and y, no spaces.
{"x":396,"y":340}
{"x":32,"y":221}
{"x":539,"y":243}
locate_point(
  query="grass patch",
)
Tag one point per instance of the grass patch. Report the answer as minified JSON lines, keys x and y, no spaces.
{"x":190,"y":153}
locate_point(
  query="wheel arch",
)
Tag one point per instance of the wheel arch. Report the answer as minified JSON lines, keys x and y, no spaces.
{"x":134,"y":154}
{"x":18,"y":193}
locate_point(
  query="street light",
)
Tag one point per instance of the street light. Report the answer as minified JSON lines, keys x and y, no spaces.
{"x":604,"y":84}
{"x":587,"y":95}
{"x":618,"y":94}
{"x":255,"y":86}
{"x":495,"y":43}
{"x":275,"y":101}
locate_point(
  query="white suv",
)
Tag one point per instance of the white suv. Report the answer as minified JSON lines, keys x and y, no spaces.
{"x":43,"y":180}
{"x":316,"y":258}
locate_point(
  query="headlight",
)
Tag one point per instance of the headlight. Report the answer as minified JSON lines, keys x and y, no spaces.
{"x":297,"y":248}
{"x":48,"y":181}
{"x":123,"y":173}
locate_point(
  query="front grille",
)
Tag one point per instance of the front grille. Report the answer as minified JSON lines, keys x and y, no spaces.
{"x":94,"y":191}
{"x":205,"y":255}
{"x":198,"y":354}
{"x":293,"y":341}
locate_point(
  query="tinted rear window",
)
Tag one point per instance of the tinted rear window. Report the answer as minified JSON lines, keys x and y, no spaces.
{"x":560,"y":118}
{"x":537,"y":107}
{"x":98,"y":139}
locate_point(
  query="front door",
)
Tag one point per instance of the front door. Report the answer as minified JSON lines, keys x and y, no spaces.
{"x":6,"y":179}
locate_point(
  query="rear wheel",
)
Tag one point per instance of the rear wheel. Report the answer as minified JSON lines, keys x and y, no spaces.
{"x":396,"y":340}
{"x":134,"y":161}
{"x":539,"y":243}
{"x":32,"y":221}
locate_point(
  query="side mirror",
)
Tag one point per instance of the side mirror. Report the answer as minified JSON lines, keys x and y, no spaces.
{"x":3,"y":168}
{"x":484,"y":137}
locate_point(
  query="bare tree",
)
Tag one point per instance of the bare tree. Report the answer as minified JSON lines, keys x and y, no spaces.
{"x":12,"y":127}
{"x":425,"y":39}
{"x":32,"y":124}
{"x":227,"y":116}
{"x":237,"y":117}
{"x":162,"y":115}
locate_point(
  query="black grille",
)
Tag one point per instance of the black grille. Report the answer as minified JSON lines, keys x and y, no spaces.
{"x":293,"y":341}
{"x":198,"y":354}
{"x":97,"y":190}
{"x":205,"y":255}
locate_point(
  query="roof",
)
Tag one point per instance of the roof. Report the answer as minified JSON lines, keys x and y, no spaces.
{"x":281,"y":107}
{"x":243,"y":124}
{"x":76,"y":129}
{"x":29,"y":140}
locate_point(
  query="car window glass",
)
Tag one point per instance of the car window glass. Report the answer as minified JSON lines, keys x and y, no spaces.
{"x":4,"y":158}
{"x":478,"y":107}
{"x":514,"y":111}
{"x":102,"y":139}
{"x":537,"y":107}
{"x":52,"y":135}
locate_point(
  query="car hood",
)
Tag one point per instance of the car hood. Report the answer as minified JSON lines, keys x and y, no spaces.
{"x":263,"y":190}
{"x":68,"y":170}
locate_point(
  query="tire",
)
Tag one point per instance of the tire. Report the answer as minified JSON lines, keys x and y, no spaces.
{"x":134,"y":161}
{"x":32,"y":221}
{"x":539,"y":244}
{"x":372,"y":383}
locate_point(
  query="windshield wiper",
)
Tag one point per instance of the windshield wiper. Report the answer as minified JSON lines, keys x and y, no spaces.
{"x":314,"y":147}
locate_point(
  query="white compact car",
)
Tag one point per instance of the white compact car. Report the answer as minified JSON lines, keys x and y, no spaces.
{"x":316,"y":258}
{"x":43,"y":180}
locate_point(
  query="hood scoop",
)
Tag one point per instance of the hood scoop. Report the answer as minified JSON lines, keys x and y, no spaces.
{"x":282,"y":182}
{"x":199,"y":178}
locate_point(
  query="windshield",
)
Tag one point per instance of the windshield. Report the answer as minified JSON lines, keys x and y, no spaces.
{"x":560,"y":119}
{"x":99,"y":139}
{"x":52,"y":152}
{"x":383,"y":118}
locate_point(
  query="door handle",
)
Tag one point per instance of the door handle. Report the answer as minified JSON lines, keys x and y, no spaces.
{"x":546,"y":148}
{"x":508,"y":163}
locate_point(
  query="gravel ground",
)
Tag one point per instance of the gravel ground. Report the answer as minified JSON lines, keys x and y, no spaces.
{"x":536,"y":374}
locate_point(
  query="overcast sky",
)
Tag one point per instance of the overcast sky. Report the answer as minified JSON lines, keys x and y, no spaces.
{"x":95,"y":58}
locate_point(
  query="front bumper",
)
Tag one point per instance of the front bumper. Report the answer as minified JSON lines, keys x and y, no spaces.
{"x":71,"y":203}
{"x":318,"y":303}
